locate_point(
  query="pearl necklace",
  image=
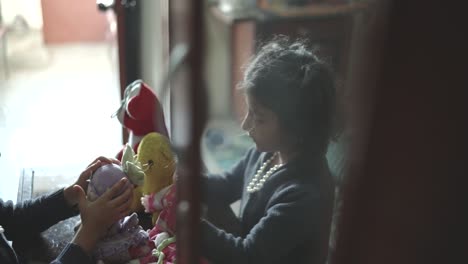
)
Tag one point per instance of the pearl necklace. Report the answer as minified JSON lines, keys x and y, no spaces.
{"x":259,"y":179}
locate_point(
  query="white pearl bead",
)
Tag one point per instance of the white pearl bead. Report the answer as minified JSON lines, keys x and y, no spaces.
{"x":260,"y":177}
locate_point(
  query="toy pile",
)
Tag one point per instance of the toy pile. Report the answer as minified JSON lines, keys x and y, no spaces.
{"x":149,"y":163}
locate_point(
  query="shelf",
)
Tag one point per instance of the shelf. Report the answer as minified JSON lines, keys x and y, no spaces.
{"x":237,"y":16}
{"x":318,"y":10}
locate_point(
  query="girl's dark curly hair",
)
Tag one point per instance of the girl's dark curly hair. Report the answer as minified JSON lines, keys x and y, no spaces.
{"x":298,"y":87}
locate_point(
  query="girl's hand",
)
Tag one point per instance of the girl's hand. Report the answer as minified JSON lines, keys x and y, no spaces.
{"x":82,"y":181}
{"x":98,"y":216}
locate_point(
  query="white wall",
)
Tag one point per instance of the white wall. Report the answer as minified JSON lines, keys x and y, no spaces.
{"x":29,"y":9}
{"x":217,"y":66}
{"x":152,"y":46}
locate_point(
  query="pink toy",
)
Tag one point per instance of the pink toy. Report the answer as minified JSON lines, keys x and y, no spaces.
{"x":162,"y":241}
{"x":162,"y":237}
{"x":141,"y":113}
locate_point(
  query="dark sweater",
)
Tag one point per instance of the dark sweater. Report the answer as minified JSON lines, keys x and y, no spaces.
{"x":287,"y":221}
{"x":31,"y":217}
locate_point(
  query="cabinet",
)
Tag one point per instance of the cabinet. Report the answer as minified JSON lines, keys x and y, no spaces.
{"x":327,"y":27}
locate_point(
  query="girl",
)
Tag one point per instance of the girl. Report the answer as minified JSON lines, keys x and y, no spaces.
{"x":284,"y":184}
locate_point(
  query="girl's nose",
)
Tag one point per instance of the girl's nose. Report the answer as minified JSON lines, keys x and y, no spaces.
{"x":245,"y":125}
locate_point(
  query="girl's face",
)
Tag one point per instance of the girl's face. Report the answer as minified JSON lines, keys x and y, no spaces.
{"x":263,"y":126}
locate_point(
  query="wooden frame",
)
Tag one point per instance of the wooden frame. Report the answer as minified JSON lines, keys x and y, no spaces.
{"x":188,"y":116}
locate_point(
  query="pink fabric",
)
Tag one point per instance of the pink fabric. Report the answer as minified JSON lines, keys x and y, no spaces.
{"x":166,"y":223}
{"x":167,"y":218}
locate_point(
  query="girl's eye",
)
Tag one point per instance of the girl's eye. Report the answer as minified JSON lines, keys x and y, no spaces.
{"x":257,"y":119}
{"x":254,"y":117}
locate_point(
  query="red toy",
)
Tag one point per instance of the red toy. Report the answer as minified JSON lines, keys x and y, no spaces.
{"x":140,"y":113}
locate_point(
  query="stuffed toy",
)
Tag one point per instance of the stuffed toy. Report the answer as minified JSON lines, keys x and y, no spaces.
{"x":164,"y":231}
{"x":125,"y":235}
{"x":140,"y":113}
{"x":162,"y":237}
{"x":159,"y":199}
{"x":107,"y":175}
{"x":158,"y":162}
{"x":161,"y":244}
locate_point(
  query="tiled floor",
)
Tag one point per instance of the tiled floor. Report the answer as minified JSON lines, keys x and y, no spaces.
{"x":56,"y":107}
{"x":223,"y":144}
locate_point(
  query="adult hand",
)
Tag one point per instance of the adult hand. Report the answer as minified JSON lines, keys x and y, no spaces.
{"x":98,"y":216}
{"x":83,"y":179}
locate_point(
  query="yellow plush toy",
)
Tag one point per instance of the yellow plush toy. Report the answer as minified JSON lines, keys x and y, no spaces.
{"x":158,"y":162}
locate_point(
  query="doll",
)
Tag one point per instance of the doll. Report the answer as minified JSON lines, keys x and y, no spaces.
{"x":158,"y":161}
{"x":125,"y":235}
{"x":162,"y":237}
{"x":161,"y":243}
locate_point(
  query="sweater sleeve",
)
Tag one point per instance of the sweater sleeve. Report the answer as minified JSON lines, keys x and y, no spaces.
{"x":72,"y":254}
{"x":225,"y":187}
{"x":34,"y":216}
{"x":290,"y":219}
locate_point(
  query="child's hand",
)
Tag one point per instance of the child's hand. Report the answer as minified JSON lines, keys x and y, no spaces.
{"x":98,"y":216}
{"x":70,"y":195}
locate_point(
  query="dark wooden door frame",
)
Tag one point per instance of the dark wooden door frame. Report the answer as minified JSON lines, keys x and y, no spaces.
{"x":404,"y":198}
{"x":188,"y":114}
